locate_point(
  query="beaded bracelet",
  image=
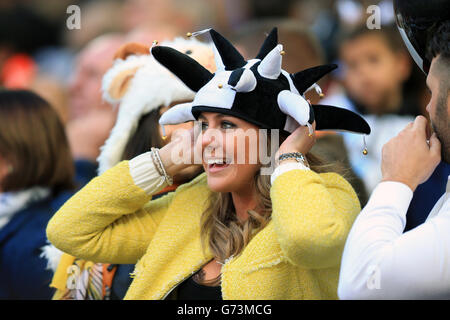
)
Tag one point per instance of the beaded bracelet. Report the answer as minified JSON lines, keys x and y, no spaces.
{"x":156,"y":163}
{"x":159,"y":166}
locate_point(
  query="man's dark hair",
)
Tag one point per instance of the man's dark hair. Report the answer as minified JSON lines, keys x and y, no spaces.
{"x":439,"y":41}
{"x":439,"y":45}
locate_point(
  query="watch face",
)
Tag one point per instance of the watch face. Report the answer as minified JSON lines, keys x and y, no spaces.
{"x":297,"y":156}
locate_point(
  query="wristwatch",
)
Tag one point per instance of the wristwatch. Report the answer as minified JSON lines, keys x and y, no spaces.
{"x":297,"y":156}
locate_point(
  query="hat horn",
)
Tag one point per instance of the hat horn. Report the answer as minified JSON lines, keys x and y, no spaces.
{"x":306,"y":78}
{"x":192,"y":73}
{"x":335,"y":118}
{"x":269,"y":43}
{"x":270,"y":66}
{"x":231,"y":58}
{"x":326,"y":117}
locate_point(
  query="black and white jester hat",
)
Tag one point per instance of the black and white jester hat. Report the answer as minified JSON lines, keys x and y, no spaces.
{"x":258,"y":91}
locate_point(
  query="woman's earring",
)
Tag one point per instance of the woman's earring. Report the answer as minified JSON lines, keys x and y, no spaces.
{"x":164,"y":137}
{"x":310,"y":129}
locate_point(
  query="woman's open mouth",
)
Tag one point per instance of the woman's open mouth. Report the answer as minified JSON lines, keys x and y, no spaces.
{"x":216,"y":165}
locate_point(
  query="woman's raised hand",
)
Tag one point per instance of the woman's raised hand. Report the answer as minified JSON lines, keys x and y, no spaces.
{"x":180,"y":152}
{"x":298,"y":141}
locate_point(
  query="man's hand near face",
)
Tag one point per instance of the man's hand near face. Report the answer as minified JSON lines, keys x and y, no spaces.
{"x":408,"y":158}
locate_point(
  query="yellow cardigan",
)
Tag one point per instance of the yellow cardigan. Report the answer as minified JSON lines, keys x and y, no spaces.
{"x":296,"y":256}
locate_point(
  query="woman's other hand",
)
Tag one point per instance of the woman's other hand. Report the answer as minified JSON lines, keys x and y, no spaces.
{"x":298,"y":141}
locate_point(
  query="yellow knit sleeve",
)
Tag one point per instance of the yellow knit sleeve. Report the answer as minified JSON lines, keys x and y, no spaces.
{"x":108,"y":220}
{"x":312,"y":216}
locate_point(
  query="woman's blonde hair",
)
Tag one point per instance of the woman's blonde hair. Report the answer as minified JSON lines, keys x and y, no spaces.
{"x":222,"y":231}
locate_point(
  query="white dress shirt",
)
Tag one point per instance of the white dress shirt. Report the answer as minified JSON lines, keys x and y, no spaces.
{"x":382,"y":262}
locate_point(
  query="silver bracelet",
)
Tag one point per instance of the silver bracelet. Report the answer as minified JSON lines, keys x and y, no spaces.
{"x":160,"y":167}
{"x":297,"y":156}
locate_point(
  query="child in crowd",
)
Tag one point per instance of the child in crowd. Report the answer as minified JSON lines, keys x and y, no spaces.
{"x":376,"y":68}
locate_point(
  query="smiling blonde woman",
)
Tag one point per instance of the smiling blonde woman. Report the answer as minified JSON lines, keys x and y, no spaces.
{"x":231,"y":233}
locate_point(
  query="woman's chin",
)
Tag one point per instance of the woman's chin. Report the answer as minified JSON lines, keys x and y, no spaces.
{"x":220,"y":178}
{"x":216,"y":185}
{"x":219,"y":184}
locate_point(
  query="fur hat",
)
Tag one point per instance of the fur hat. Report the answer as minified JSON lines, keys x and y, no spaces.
{"x":141,"y":84}
{"x":258,"y":91}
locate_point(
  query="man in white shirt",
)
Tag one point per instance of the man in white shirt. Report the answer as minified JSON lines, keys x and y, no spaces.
{"x":379,"y":260}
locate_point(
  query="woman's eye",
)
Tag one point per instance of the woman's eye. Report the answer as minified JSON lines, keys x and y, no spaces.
{"x":204,"y":126}
{"x":228,"y":125}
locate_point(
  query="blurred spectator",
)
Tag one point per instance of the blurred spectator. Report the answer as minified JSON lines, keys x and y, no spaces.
{"x":376,"y":67}
{"x":90,"y":118}
{"x":85,"y":87}
{"x":36,"y":178}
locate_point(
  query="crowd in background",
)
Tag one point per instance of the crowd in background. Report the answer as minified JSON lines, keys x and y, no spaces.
{"x":376,"y":76}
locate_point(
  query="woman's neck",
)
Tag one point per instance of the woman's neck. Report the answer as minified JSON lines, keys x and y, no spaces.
{"x":244,"y":201}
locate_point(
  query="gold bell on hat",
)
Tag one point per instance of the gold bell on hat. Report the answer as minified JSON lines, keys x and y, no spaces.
{"x":365,"y":151}
{"x":189,"y":34}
